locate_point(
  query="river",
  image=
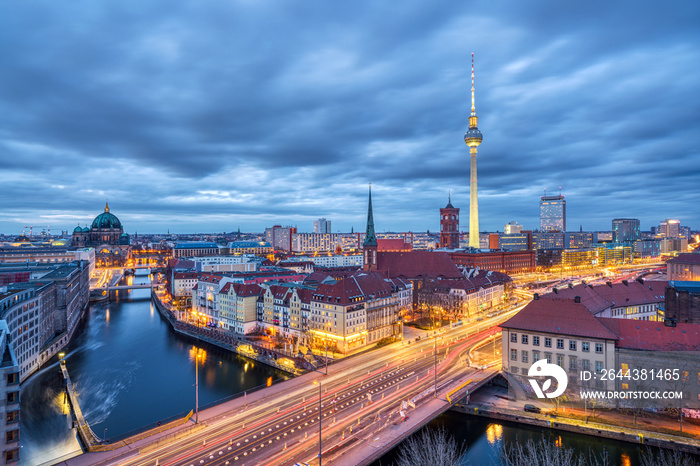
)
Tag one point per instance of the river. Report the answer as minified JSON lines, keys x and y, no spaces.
{"x":483,"y":440}
{"x":131,"y":370}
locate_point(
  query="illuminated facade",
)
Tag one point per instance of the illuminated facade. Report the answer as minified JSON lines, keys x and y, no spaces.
{"x":107,"y":236}
{"x":449,"y":226}
{"x":354,"y":312}
{"x":670,"y":228}
{"x":552,"y":213}
{"x":473,"y":138}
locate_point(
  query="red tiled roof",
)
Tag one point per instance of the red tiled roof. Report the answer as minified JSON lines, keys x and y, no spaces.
{"x":305,"y":294}
{"x":653,"y":336}
{"x":393,"y":244}
{"x":185,"y":275}
{"x":600,"y":297}
{"x":354,"y":289}
{"x":483,"y":278}
{"x":316,"y":277}
{"x":209,"y":278}
{"x":279,"y":292}
{"x":400,"y":283}
{"x":688,"y":258}
{"x":417,"y":264}
{"x":559,"y":316}
{"x":244,"y":290}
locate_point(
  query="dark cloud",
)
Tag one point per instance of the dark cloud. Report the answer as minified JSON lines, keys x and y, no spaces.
{"x":205,"y":115}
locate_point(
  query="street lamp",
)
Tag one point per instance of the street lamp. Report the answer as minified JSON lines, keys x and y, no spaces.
{"x":318,"y":382}
{"x":60,"y":357}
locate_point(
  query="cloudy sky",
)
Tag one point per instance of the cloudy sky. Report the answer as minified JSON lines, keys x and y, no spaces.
{"x":201,"y":115}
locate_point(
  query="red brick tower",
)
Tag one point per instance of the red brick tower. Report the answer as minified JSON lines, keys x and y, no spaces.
{"x":449,"y":226}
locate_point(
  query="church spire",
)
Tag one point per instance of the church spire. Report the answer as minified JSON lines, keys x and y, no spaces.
{"x":370,"y":237}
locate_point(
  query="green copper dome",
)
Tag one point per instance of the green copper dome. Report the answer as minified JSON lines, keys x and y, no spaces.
{"x":78,"y":229}
{"x":106,"y":220}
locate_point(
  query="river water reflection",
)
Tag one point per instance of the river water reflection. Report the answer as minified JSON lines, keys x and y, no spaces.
{"x":131,"y":370}
{"x":484,"y":438}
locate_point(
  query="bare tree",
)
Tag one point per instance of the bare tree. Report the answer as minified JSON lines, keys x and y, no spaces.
{"x":547,"y":453}
{"x":434,"y":447}
{"x":668,"y":458}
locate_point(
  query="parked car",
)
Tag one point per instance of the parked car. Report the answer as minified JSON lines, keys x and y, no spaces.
{"x":531,"y":409}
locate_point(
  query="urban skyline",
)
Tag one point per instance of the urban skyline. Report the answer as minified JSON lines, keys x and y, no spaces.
{"x":291,"y":118}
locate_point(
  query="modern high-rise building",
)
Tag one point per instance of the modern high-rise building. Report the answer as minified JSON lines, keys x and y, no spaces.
{"x":669,"y":228}
{"x":625,"y":229}
{"x":322,"y":226}
{"x":280,"y":237}
{"x":473,"y":138}
{"x":552,"y":213}
{"x":449,"y":226}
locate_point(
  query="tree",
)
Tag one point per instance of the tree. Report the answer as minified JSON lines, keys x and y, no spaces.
{"x":667,"y":458}
{"x":434,"y":447}
{"x":547,"y":453}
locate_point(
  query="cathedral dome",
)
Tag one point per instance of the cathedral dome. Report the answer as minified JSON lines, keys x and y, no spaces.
{"x":78,"y":229}
{"x":106,"y":220}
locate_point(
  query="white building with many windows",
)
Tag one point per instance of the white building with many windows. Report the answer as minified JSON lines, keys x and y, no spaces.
{"x":561,"y":331}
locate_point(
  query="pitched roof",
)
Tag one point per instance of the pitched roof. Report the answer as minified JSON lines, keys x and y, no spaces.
{"x":305,"y":294}
{"x":241,"y":289}
{"x":600,"y":297}
{"x":417,"y":264}
{"x":393,"y":244}
{"x":688,"y":258}
{"x":244,"y":290}
{"x":209,"y":278}
{"x":559,"y":316}
{"x":653,"y":336}
{"x":356,"y":288}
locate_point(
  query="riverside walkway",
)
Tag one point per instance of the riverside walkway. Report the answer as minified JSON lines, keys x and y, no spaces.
{"x":87,"y":436}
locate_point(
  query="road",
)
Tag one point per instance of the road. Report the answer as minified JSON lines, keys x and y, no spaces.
{"x":282,"y":428}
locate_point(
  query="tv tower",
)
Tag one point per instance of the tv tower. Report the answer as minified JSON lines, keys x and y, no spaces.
{"x":473,"y":138}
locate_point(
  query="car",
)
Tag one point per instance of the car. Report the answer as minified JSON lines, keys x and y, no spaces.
{"x":532,"y":409}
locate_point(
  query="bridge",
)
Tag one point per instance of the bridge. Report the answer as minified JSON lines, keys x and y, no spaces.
{"x":367,"y":404}
{"x":129,"y":287}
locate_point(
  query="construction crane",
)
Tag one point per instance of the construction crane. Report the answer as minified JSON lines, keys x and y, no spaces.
{"x":31,"y":229}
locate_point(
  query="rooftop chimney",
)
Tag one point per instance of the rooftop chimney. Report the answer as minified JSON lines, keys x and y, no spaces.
{"x":536,"y":296}
{"x":577,"y":299}
{"x":609,"y":284}
{"x":625,"y":282}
